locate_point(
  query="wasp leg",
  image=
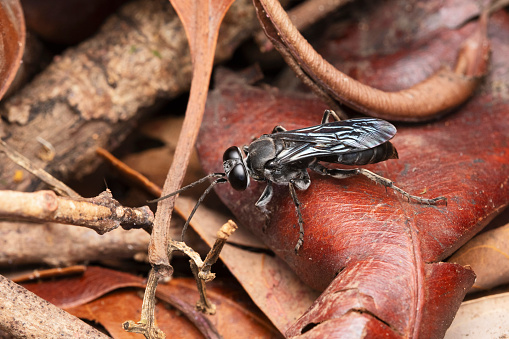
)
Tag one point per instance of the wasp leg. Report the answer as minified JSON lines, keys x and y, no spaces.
{"x":345,"y":173}
{"x":262,"y":203}
{"x":327,"y":114}
{"x":265,"y":198}
{"x":278,"y":128}
{"x":299,"y":215}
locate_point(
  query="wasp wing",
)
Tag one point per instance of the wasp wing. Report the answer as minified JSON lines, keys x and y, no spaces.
{"x":328,"y":139}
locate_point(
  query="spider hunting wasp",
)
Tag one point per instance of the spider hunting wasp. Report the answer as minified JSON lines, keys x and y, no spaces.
{"x":283,"y":158}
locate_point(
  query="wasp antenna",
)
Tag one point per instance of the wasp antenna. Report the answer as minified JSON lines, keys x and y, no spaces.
{"x":197,"y":182}
{"x":212,"y":184}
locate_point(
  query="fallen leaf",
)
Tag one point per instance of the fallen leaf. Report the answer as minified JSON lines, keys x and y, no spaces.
{"x":356,"y":231}
{"x":481,"y":318}
{"x":113,"y":309}
{"x":100,"y":295}
{"x":270,"y":283}
{"x":488,"y":255}
{"x":79,"y":290}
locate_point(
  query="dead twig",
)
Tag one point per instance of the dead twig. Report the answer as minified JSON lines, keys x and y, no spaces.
{"x":201,"y":269}
{"x":146,"y":325}
{"x":50,"y":273}
{"x":102,"y":213}
{"x":201,"y":272}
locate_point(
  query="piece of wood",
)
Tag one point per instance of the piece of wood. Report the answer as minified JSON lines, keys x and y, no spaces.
{"x":92,"y":95}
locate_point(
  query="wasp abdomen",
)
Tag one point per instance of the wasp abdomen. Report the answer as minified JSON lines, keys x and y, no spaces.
{"x":373,"y":155}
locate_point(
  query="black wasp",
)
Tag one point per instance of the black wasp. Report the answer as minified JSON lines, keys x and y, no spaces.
{"x":283,"y":158}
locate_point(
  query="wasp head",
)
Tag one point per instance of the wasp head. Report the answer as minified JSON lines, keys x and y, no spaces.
{"x":235,"y":168}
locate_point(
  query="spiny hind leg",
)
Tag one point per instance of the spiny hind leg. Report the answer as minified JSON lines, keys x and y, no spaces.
{"x":389,"y":183}
{"x":345,"y":173}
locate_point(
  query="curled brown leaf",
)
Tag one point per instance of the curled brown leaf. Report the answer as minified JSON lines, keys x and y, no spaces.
{"x":435,"y":96}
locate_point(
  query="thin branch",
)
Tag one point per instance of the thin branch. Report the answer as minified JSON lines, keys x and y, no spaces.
{"x":222,"y":237}
{"x":146,"y":325}
{"x":132,"y":175}
{"x":22,"y":161}
{"x":201,"y":272}
{"x":102,"y":213}
{"x":201,"y":269}
{"x":50,"y":273}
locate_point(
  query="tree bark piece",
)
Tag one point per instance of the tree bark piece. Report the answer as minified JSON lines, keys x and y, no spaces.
{"x":91,"y":95}
{"x":25,"y":315}
{"x":61,"y":245}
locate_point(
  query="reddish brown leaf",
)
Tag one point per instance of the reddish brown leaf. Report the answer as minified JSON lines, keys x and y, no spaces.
{"x":67,"y":21}
{"x":438,"y":94}
{"x":378,"y":244}
{"x":12,"y":41}
{"x":275,"y":289}
{"x":79,"y":290}
{"x":84,"y":296}
{"x":113,"y":309}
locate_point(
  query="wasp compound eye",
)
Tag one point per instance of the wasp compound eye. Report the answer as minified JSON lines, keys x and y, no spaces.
{"x":234,"y":168}
{"x":232,"y":153}
{"x":238,"y":177}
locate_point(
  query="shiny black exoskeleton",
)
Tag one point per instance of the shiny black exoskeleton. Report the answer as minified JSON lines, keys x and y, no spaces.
{"x":283,"y":158}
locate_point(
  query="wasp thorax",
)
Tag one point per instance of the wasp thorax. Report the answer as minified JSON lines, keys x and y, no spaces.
{"x":260,"y":152}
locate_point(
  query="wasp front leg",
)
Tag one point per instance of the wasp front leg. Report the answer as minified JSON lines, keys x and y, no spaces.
{"x":296,"y":201}
{"x":265,"y":198}
{"x":345,"y":173}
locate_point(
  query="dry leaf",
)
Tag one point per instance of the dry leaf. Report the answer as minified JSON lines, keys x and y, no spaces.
{"x":275,"y":289}
{"x":481,"y":318}
{"x":89,"y":296}
{"x":488,"y":255}
{"x":355,"y":230}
